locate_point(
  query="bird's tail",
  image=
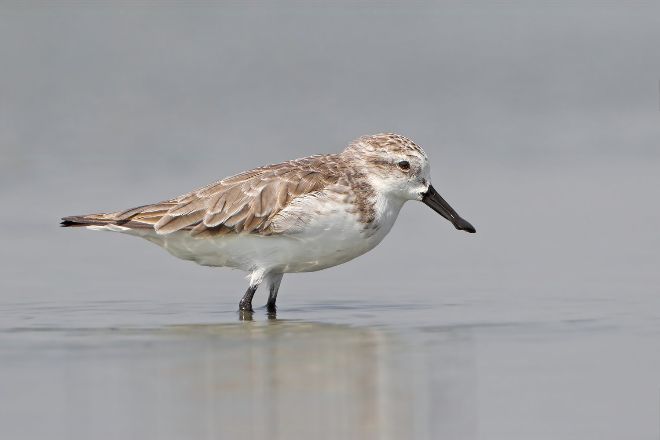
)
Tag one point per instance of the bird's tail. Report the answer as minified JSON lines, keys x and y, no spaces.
{"x":89,"y":220}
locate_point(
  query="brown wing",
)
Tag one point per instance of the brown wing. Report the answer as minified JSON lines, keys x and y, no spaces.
{"x":246,"y":202}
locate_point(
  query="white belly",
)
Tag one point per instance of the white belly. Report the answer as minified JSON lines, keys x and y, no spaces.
{"x":326,"y":241}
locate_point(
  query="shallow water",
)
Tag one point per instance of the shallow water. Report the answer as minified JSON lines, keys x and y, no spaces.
{"x":345,"y":369}
{"x":543,"y":130}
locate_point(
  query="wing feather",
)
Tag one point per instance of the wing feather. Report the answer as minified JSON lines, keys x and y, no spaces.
{"x":169,"y":223}
{"x":246,"y":202}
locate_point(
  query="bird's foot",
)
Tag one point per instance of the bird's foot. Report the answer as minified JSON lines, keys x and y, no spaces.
{"x":245,"y":306}
{"x":271,"y":310}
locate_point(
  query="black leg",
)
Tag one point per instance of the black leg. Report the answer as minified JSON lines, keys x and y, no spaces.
{"x":246,"y":302}
{"x":272,"y":296}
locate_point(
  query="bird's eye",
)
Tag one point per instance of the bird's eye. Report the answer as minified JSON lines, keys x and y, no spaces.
{"x":404,"y":165}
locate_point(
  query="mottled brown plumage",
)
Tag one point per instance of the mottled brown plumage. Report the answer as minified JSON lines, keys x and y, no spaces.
{"x":247,"y":202}
{"x":255,"y":201}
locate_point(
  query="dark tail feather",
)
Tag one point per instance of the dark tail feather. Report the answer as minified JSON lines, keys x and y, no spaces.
{"x":84,"y":220}
{"x":65,"y":223}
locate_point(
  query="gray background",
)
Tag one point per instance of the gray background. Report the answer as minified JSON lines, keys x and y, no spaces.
{"x":542,"y":122}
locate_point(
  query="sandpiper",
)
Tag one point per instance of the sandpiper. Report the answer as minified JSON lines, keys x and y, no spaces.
{"x":302,"y":215}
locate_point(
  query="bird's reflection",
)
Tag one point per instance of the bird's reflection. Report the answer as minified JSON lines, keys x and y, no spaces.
{"x":245,"y":315}
{"x":287,"y":379}
{"x":282,"y":379}
{"x":269,"y":378}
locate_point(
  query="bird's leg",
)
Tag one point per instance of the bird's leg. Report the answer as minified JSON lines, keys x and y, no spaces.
{"x":274,"y":284}
{"x":246,"y":302}
{"x":256,"y":277}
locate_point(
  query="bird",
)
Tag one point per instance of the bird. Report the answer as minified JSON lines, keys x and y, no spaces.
{"x":301,"y":215}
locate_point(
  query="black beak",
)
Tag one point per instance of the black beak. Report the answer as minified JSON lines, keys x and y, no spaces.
{"x":439,"y":205}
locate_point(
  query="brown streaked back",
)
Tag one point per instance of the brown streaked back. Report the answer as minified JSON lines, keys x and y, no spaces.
{"x":246,"y":202}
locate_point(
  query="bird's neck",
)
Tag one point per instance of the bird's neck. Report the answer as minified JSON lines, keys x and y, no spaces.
{"x":375,"y":209}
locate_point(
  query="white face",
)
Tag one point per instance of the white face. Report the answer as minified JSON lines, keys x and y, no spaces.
{"x":402,"y":174}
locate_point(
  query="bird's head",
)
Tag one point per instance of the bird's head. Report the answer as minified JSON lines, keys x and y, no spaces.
{"x":396,"y":166}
